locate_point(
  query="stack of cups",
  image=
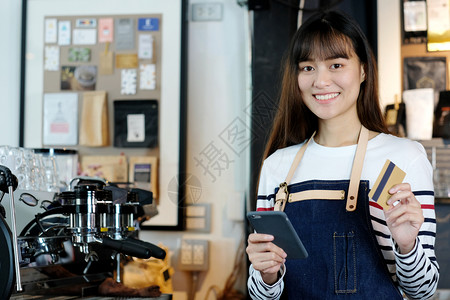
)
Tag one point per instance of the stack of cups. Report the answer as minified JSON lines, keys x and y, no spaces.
{"x":34,"y":171}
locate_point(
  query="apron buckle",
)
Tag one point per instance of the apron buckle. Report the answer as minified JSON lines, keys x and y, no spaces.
{"x":281,"y":197}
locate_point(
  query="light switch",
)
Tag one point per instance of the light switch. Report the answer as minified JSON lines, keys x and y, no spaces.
{"x":207,"y":11}
{"x":194,"y":255}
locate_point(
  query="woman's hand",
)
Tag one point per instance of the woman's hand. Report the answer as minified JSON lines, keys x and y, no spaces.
{"x":265,"y":256}
{"x":405,"y":218}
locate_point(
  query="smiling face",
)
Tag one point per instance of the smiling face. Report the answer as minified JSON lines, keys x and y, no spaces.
{"x":330,"y":85}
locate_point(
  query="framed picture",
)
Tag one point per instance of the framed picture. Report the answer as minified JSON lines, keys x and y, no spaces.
{"x":75,"y":33}
{"x":136,"y":123}
{"x":143,"y":173}
{"x":425,"y":72}
{"x":414,"y":20}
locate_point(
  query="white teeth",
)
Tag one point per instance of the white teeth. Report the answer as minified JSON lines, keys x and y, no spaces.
{"x":326,"y":97}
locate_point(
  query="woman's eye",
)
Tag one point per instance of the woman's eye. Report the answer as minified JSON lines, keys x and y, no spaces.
{"x":336,"y":66}
{"x":306,"y":68}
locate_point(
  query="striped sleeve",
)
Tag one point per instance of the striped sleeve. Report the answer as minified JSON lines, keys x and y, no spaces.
{"x":418,"y":271}
{"x":258,"y":289}
{"x":266,"y":192}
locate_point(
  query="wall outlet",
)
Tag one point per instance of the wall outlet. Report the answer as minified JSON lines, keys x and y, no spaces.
{"x":194,"y":255}
{"x":207,"y":11}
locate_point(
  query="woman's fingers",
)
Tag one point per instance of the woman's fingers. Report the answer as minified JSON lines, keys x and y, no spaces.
{"x":404,"y":216}
{"x":404,"y":213}
{"x":400,"y":187}
{"x":261,"y":243}
{"x":264,"y":255}
{"x":259,"y":238}
{"x":264,"y":263}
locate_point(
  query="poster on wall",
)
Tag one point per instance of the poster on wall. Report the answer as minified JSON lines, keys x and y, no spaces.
{"x":438,"y":25}
{"x":414,"y":22}
{"x":60,"y":119}
{"x":136,"y":123}
{"x":425,"y":72}
{"x":75,"y":46}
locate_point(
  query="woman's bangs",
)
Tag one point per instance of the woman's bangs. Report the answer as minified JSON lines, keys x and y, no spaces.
{"x":325,"y":45}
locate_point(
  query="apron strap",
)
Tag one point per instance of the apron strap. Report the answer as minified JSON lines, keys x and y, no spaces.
{"x":358,"y":162}
{"x":283,"y":194}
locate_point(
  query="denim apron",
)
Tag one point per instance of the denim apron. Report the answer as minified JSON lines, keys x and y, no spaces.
{"x":344,"y":260}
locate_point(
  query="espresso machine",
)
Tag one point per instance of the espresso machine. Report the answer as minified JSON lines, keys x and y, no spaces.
{"x":72,"y":240}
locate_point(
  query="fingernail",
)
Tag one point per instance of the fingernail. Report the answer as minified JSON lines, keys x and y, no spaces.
{"x":268,"y":237}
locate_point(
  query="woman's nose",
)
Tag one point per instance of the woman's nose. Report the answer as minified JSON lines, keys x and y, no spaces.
{"x":322,"y":78}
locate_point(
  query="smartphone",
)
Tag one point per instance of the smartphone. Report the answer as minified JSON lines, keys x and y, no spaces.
{"x":276,"y":223}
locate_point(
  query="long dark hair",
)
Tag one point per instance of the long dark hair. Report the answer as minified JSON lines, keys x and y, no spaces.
{"x":326,"y":34}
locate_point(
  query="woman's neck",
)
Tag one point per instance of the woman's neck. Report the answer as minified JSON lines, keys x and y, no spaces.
{"x":338,"y":135}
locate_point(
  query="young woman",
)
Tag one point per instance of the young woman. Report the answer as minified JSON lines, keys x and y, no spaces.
{"x":327,"y":147}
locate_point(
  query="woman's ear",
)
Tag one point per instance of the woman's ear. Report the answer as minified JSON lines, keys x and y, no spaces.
{"x":363,"y":74}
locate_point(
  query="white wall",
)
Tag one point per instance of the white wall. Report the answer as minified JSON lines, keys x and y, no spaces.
{"x":10,"y":27}
{"x":389,"y":53}
{"x":217,"y":95}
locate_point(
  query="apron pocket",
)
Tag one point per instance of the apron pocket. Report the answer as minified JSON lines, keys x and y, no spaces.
{"x":344,"y":263}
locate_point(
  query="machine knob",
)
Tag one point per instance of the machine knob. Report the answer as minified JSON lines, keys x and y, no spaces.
{"x":7,"y":179}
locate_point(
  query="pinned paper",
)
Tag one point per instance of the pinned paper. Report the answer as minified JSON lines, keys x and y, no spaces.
{"x":135,"y":128}
{"x":105,"y":30}
{"x":64,"y":33}
{"x":51,"y":62}
{"x":147,"y":76}
{"x":106,"y":61}
{"x":389,"y":176}
{"x":86,"y":23}
{"x":128,"y":82}
{"x":112,"y":168}
{"x":80,"y":78}
{"x":126,"y":61}
{"x":94,"y":130}
{"x":79,"y":54}
{"x":145,"y":46}
{"x":51,"y":31}
{"x":124,"y":34}
{"x":143,"y":172}
{"x":148,"y":24}
{"x":84,"y":36}
{"x":60,"y":119}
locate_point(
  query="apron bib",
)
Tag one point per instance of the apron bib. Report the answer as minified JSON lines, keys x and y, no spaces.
{"x":344,"y":260}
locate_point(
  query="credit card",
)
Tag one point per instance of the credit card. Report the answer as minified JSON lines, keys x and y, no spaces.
{"x":389,"y":176}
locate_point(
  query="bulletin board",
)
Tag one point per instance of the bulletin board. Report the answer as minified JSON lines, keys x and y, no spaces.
{"x":116,"y":54}
{"x":134,"y":89}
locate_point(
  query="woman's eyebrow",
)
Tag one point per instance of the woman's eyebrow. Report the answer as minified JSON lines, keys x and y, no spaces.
{"x":336,"y":56}
{"x":330,"y":57}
